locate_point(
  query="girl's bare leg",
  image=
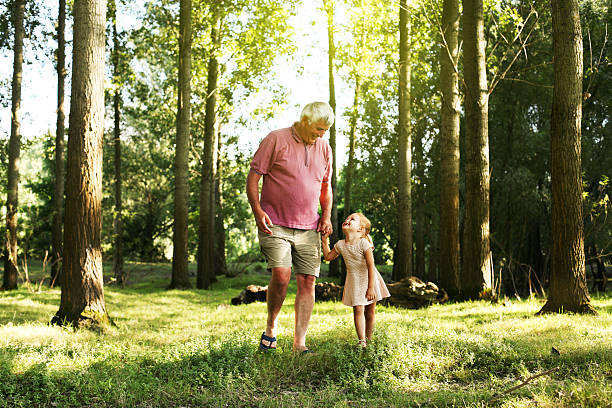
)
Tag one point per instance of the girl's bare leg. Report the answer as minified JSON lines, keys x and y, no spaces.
{"x":370,"y":314}
{"x":360,"y":322}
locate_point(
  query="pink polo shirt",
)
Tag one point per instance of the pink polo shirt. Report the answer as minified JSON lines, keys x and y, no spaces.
{"x":292,"y":176}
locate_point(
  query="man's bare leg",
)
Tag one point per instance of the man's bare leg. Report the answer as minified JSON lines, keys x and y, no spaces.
{"x":277,"y":290}
{"x":304,"y":302}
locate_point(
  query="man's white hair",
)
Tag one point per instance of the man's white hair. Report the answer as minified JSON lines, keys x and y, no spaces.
{"x":318,"y":111}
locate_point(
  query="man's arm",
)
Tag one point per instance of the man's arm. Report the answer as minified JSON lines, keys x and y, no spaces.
{"x":252,"y":188}
{"x":326,"y":200}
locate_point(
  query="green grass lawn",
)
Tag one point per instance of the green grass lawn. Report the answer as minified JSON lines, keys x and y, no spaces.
{"x":191,"y":348}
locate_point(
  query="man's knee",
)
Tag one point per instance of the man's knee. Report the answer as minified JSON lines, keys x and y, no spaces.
{"x":281,"y":276}
{"x":305,"y":282}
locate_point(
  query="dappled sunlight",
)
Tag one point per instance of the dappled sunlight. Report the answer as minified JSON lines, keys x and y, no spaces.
{"x":165,"y":337}
{"x":35,"y":335}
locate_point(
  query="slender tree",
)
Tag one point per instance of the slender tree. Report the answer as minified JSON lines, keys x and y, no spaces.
{"x":419,"y":207}
{"x":334,"y":266}
{"x":206,"y":244}
{"x":118,"y":271}
{"x":476,"y":271}
{"x":402,"y":266}
{"x":12,"y":199}
{"x":82,"y":300}
{"x":568,"y":290}
{"x":350,"y":166}
{"x":180,"y":262}
{"x":220,"y":260}
{"x":448,"y":243}
{"x":357,"y":62}
{"x":58,"y":182}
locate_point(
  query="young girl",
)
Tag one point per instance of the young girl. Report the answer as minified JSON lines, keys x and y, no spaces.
{"x":364,"y":285}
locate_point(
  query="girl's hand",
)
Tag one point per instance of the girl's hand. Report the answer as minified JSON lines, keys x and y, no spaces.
{"x":370,"y":294}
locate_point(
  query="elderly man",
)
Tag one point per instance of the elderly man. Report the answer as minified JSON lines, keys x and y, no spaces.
{"x":296,"y":166}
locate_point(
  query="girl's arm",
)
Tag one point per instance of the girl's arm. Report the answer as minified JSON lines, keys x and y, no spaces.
{"x":369,"y":257}
{"x":328,"y":255}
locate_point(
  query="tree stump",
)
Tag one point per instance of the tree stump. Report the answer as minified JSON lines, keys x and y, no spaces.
{"x":413,"y":293}
{"x":252,"y":293}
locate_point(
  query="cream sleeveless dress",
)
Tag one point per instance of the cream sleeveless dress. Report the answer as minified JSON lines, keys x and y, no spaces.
{"x":356,"y":283}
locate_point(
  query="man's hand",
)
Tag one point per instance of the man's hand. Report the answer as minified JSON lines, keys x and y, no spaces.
{"x":325,"y":226}
{"x":263,"y":222}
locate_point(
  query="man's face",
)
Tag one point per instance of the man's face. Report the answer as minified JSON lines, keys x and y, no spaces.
{"x":313,"y":131}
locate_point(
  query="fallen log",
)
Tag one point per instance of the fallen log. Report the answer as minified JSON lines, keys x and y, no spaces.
{"x":410,"y":293}
{"x":252,"y":293}
{"x":413,"y":293}
{"x":325,"y":291}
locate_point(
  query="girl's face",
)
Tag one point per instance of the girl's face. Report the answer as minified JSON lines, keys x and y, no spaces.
{"x":352,"y":224}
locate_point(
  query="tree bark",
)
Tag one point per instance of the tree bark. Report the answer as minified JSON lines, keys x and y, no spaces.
{"x":419,"y":235}
{"x":350,"y":166}
{"x":82,"y":300}
{"x":58,"y":183}
{"x":180,"y":254}
{"x":402,"y":266}
{"x":206,"y":245}
{"x":119,"y":273}
{"x":12,"y":196}
{"x":334,"y":266}
{"x":568,"y":289}
{"x":476,"y":271}
{"x":448,"y":242}
{"x":220,"y":260}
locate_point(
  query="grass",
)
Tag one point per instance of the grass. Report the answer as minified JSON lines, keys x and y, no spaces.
{"x":190,"y":348}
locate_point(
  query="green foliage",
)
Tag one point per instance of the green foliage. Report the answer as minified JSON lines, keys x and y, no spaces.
{"x":190,"y":348}
{"x":5,"y":23}
{"x":147,"y":198}
{"x":240,"y":228}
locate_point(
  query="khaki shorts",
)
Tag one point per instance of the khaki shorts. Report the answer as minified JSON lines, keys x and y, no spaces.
{"x":288,"y":247}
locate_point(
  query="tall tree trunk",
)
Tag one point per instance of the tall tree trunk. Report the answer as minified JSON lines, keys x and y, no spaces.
{"x":82,"y":300}
{"x":12,"y":196}
{"x":448,"y":243}
{"x":220,"y":261}
{"x":432,"y":268}
{"x":350,"y":166}
{"x":568,"y":289}
{"x":476,"y":271}
{"x":206,"y":245}
{"x":402,"y":266}
{"x":119,"y":274}
{"x":180,"y":255}
{"x":419,"y":244}
{"x":334,"y":266}
{"x":58,"y":183}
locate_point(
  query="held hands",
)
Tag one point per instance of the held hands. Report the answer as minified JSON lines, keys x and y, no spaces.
{"x":370,"y":294}
{"x":325,"y":226}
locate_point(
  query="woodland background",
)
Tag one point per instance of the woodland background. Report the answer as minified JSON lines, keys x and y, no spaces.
{"x":249,"y":41}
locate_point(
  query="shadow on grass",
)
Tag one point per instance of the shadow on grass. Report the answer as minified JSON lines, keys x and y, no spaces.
{"x":234,"y":373}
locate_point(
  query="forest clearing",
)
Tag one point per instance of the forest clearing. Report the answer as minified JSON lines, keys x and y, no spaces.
{"x":191,"y":348}
{"x":164,"y":154}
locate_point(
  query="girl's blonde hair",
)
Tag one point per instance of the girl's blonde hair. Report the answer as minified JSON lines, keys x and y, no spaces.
{"x":367,"y":226}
